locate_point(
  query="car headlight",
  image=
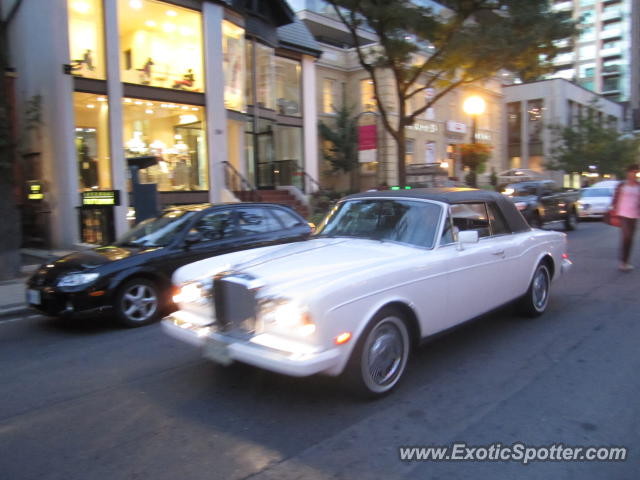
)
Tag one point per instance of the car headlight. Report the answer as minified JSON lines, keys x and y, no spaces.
{"x":286,"y":317}
{"x":521,"y":205}
{"x":77,"y":279}
{"x":193,"y":292}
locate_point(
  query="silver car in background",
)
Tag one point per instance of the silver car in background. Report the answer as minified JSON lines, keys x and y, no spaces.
{"x":594,"y":202}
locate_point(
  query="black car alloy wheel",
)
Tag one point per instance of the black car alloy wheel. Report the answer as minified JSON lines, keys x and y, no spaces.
{"x":137,"y":302}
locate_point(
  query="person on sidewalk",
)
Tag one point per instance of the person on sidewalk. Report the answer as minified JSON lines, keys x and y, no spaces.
{"x":626,"y":206}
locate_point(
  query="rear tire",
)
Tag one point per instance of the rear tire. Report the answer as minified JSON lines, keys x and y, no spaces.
{"x":535,"y":301}
{"x":379,"y":359}
{"x":536,"y":220}
{"x":571,"y":220}
{"x":137,"y":303}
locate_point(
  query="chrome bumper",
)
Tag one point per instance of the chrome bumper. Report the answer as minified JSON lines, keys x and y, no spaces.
{"x":263,"y":351}
{"x":566,"y":266}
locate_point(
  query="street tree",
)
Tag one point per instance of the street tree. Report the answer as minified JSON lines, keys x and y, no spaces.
{"x":10,"y":225}
{"x":589,"y":144}
{"x":341,"y":149}
{"x":451,"y":43}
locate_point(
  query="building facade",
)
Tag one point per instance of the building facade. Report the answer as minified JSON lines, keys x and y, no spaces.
{"x":532,"y":107}
{"x":217,"y":91}
{"x":603,"y":58}
{"x":435,"y":136}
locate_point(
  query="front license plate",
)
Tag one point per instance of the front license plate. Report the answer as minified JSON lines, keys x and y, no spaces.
{"x":217,"y":351}
{"x":34,"y":297}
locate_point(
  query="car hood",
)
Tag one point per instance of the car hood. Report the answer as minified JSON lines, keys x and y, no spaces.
{"x":596,"y":200}
{"x":305,"y":265}
{"x":89,"y":259}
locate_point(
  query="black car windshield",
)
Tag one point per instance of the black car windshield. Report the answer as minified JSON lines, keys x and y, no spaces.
{"x":158,"y":231}
{"x":596,"y":192}
{"x":404,"y":221}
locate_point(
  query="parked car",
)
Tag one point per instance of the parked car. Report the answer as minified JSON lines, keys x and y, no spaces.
{"x":594,"y":202}
{"x":385,"y":271}
{"x":544,"y":201}
{"x":133,"y":276}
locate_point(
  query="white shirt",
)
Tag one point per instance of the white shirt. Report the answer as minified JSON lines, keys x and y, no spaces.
{"x":629,"y":201}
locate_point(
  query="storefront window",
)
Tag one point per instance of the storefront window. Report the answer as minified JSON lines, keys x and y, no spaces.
{"x":161,"y":45}
{"x":92,"y":141}
{"x":234,"y":66}
{"x":288,"y":86}
{"x":328,"y":96}
{"x":173,"y":132}
{"x":265,"y":66}
{"x":86,"y":38}
{"x":367,"y":96}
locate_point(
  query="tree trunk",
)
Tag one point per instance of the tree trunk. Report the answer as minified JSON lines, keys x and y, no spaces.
{"x":402,"y":153}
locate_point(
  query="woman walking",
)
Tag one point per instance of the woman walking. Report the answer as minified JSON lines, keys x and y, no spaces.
{"x":626,"y":206}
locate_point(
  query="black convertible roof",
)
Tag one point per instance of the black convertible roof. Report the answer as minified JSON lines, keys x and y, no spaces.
{"x":514,"y":218}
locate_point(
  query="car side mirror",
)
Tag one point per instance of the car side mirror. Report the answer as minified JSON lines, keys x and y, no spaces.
{"x":192,"y":237}
{"x":467,"y":236}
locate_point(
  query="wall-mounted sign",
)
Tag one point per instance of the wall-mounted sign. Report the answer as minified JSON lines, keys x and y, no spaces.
{"x":367,"y":143}
{"x":100,"y":197}
{"x":429,"y":127}
{"x":35,"y":190}
{"x":456,"y":127}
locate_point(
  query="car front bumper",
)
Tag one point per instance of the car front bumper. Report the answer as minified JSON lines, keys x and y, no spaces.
{"x":565,"y":266}
{"x":264,"y":351}
{"x":53,"y":302}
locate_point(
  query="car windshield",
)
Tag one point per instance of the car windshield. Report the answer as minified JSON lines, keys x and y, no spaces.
{"x":520,"y":190}
{"x":596,"y":192}
{"x":158,"y":231}
{"x":405,"y":221}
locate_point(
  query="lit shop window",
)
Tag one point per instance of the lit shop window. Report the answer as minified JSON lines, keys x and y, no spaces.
{"x":328,"y":96}
{"x":288,"y":87}
{"x":265,"y":73}
{"x":86,"y":38}
{"x":92,"y":141}
{"x":234,"y":66}
{"x":367,"y":96}
{"x":161,"y":45}
{"x":173,"y":132}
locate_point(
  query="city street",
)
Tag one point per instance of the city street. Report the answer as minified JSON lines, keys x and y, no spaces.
{"x":89,"y":400}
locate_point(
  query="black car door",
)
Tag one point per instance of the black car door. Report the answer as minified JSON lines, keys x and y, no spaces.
{"x":214,"y":232}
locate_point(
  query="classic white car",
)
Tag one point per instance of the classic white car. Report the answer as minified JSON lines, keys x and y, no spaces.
{"x":384,"y":271}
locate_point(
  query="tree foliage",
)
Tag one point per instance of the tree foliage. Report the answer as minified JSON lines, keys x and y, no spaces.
{"x":341,"y":149}
{"x":438,"y":48}
{"x":589,"y":143}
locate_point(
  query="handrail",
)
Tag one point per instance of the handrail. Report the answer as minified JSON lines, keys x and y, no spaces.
{"x":284,"y":172}
{"x":235,"y":182}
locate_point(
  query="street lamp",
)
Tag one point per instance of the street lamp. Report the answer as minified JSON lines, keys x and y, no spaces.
{"x":474,"y":106}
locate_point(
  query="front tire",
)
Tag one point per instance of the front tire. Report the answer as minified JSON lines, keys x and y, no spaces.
{"x":535,"y":301}
{"x":380,"y":357}
{"x":137,"y":303}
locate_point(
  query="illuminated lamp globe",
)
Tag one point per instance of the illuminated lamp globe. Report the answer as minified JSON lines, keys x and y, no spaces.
{"x":474,"y":105}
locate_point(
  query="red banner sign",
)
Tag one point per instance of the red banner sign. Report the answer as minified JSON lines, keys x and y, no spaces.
{"x":367,"y":137}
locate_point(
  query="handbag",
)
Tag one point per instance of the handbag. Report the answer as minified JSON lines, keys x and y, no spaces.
{"x":610,"y":218}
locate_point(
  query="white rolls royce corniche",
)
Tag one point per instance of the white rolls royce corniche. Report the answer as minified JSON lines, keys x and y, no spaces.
{"x":385,"y":270}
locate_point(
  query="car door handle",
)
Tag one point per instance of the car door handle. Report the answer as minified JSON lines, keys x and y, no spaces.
{"x":500,"y":253}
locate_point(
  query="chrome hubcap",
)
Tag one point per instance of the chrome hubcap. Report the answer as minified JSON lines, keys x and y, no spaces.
{"x":139,"y":303}
{"x":385,"y":354}
{"x":540,"y":289}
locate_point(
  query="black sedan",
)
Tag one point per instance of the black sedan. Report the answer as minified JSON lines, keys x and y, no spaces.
{"x":133,"y":276}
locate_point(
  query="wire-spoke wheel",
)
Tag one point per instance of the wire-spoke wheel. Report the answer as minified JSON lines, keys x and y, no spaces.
{"x":137,"y":303}
{"x":536,"y":299}
{"x":380,"y":357}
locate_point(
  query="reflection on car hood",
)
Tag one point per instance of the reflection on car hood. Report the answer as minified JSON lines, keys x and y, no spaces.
{"x":299,"y":266}
{"x":88,"y":259}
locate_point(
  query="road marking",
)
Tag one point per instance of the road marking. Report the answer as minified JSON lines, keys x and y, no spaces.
{"x":17,"y":319}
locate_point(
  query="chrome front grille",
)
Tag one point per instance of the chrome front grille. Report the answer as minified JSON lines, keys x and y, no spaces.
{"x":234,"y":302}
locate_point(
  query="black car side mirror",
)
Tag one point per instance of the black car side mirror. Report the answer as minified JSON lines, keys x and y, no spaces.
{"x":192,"y":237}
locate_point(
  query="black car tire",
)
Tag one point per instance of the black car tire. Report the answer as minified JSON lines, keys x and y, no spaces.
{"x":137,"y":303}
{"x":535,"y":301}
{"x":571,"y":220}
{"x":387,"y":337}
{"x":536,"y":220}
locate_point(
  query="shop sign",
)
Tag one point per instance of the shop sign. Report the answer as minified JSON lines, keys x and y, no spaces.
{"x":456,"y":127}
{"x":101,"y":197}
{"x":35,"y":190}
{"x":428,"y":127}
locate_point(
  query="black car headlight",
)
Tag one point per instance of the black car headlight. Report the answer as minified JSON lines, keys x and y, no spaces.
{"x":77,"y":279}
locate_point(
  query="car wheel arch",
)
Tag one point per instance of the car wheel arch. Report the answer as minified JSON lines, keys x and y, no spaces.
{"x":118,"y":281}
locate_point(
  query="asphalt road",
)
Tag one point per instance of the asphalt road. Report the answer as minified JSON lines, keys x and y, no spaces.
{"x":91,"y":401}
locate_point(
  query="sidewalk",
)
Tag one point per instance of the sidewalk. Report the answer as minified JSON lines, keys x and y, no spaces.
{"x":13,"y":292}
